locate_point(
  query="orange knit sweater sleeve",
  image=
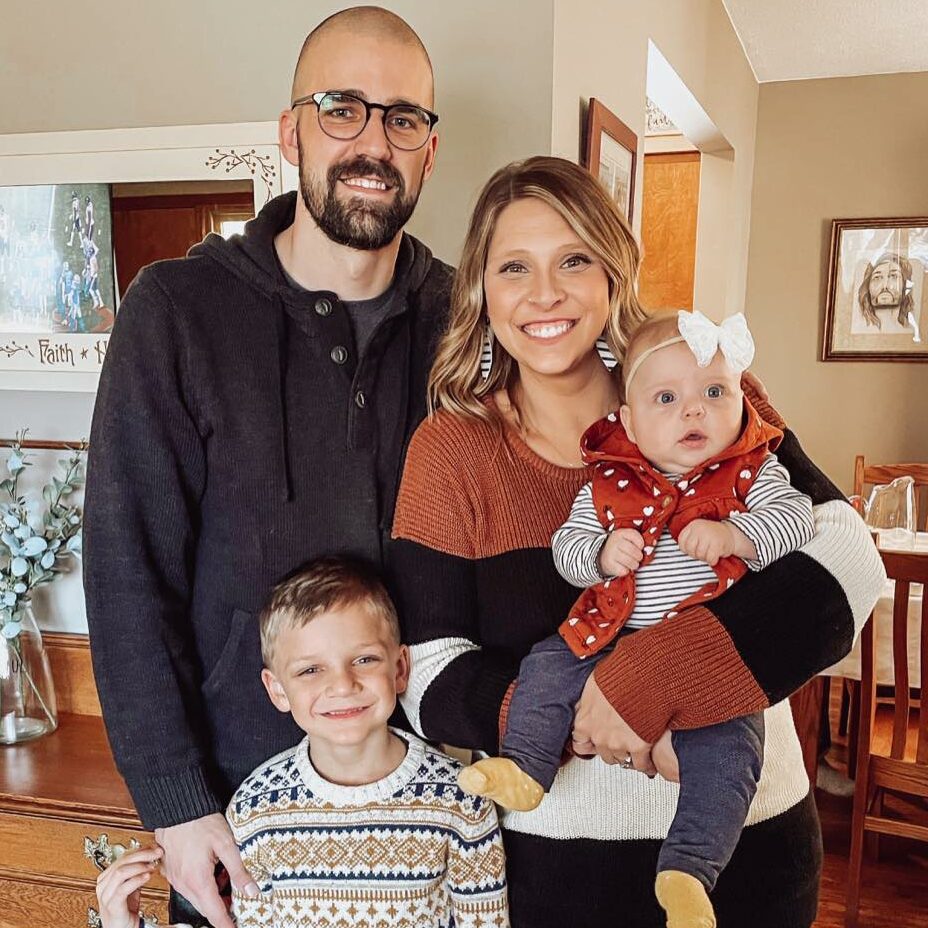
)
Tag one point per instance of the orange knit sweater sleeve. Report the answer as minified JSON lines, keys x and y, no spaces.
{"x":434,"y":507}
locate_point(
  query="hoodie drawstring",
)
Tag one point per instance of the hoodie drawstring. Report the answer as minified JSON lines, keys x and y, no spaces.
{"x":284,"y":444}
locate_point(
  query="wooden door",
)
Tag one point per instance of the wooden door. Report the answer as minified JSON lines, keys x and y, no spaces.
{"x":150,"y":228}
{"x":670,"y":204}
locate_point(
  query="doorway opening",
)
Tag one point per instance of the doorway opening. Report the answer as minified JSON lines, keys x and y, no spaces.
{"x":163,"y":219}
{"x":686,"y":186}
{"x":670,"y":209}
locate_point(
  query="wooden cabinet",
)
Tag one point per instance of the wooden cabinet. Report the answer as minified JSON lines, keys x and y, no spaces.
{"x":59,"y":795}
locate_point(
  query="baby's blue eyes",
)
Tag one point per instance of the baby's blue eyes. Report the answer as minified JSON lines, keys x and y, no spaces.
{"x":714,"y":392}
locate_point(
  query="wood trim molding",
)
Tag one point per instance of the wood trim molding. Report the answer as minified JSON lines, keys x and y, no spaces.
{"x":44,"y":809}
{"x":69,"y":656}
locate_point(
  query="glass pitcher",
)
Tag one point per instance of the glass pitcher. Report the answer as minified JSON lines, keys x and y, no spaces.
{"x":890,"y":511}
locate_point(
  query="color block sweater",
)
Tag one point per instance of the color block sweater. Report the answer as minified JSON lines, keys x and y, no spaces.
{"x":409,"y":851}
{"x":477,"y":587}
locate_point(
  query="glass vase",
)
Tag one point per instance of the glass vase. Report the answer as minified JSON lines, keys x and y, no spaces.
{"x":27,"y":693}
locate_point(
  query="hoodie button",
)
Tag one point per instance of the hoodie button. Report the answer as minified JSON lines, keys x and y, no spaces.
{"x":339,"y":354}
{"x":360,"y":399}
{"x":323,"y":307}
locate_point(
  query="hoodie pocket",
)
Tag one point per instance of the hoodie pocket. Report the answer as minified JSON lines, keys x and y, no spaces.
{"x":241,"y":653}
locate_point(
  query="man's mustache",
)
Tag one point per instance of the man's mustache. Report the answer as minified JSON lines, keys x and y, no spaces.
{"x":364,"y":167}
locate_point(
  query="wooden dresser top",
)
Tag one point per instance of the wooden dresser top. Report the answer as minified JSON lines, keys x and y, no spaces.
{"x":70,"y":771}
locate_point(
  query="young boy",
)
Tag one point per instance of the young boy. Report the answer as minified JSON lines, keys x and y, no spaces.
{"x":359,"y":824}
{"x":686,"y":497}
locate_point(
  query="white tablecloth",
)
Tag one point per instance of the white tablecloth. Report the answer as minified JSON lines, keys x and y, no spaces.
{"x":883,"y":616}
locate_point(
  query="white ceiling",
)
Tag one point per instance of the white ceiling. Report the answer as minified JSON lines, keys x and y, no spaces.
{"x":790,"y":40}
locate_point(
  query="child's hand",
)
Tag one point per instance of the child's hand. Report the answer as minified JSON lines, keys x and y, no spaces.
{"x":622,"y":553}
{"x":707,"y":541}
{"x":119,"y":887}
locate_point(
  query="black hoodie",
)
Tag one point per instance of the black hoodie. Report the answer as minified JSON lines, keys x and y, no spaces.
{"x":236,"y":434}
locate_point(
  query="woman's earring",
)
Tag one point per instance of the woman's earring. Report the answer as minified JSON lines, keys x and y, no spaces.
{"x":486,"y":351}
{"x":605,"y":353}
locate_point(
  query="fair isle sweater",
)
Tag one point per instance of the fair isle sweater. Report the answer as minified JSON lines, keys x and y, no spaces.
{"x":411,"y":850}
{"x":477,"y":587}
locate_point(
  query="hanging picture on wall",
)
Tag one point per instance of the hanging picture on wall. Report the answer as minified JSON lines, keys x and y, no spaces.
{"x":56,"y":271}
{"x":611,"y":154}
{"x":57,"y":190}
{"x":877,"y":300}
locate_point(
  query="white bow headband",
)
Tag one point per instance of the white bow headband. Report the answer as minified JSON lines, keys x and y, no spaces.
{"x":705,"y":338}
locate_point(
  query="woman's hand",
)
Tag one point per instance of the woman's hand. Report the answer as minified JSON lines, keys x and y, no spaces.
{"x":665,"y":759}
{"x":119,"y":887}
{"x":599,"y":729}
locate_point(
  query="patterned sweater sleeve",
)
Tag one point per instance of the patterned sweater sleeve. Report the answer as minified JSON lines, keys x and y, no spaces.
{"x":779,"y":517}
{"x":457,"y":685}
{"x":477,"y":871}
{"x":765,"y":637}
{"x":256,"y":912}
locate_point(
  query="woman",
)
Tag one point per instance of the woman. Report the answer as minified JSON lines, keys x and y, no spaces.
{"x":548,"y":267}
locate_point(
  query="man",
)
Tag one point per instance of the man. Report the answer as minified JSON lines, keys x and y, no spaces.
{"x":887,"y":284}
{"x":253,"y":410}
{"x":91,"y":270}
{"x":75,"y":223}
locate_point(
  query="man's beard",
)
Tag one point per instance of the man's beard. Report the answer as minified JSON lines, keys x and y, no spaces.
{"x":358,"y":222}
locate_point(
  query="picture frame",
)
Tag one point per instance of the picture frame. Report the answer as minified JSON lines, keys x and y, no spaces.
{"x":56,"y":260}
{"x":611,"y":155}
{"x":71,"y":360}
{"x":876,"y":304}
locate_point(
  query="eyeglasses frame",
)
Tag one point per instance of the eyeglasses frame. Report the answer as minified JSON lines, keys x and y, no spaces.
{"x":317,"y":98}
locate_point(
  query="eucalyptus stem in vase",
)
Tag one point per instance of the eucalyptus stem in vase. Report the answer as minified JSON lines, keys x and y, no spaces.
{"x":37,"y":540}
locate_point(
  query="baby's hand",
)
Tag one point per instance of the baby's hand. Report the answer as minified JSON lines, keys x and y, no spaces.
{"x":119,"y":887}
{"x":622,"y":553}
{"x":707,"y":541}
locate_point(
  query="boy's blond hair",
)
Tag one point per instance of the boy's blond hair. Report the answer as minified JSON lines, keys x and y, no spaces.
{"x":322,"y":586}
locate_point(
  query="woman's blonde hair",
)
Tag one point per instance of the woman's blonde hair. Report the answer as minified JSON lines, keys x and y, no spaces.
{"x":455,"y":381}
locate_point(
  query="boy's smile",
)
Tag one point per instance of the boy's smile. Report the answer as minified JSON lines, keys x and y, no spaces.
{"x":339,"y":675}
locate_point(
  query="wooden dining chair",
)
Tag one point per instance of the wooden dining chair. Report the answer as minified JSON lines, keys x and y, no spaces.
{"x":904,"y":770}
{"x":867,"y":476}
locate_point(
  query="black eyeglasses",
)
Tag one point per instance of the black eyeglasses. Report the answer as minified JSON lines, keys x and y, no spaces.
{"x":343,"y":116}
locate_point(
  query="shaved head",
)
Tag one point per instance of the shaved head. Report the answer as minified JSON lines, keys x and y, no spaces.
{"x":358,"y":22}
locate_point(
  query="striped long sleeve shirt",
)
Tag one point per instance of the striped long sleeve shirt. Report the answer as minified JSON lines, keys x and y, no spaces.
{"x":779,"y":520}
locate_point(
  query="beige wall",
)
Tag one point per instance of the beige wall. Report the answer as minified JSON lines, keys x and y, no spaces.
{"x":124,"y":63}
{"x":601,"y":49}
{"x":834,"y":149}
